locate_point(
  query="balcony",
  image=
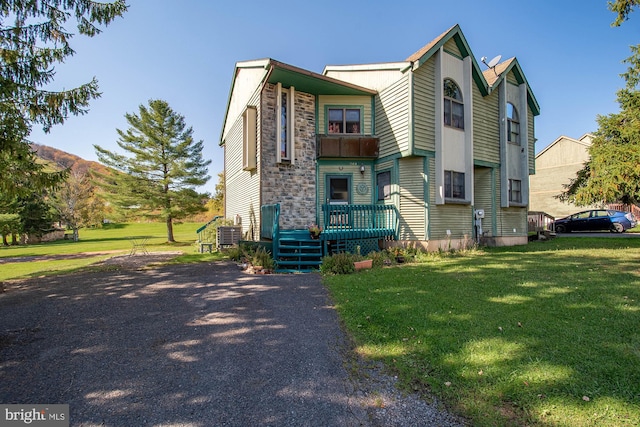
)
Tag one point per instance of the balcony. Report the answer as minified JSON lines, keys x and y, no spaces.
{"x":347,"y":146}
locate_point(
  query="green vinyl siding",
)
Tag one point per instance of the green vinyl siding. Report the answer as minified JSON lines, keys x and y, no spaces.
{"x":412,"y":199}
{"x":347,"y":169}
{"x":453,"y":217}
{"x":511,"y":219}
{"x":451,"y":47}
{"x":392,"y":118}
{"x":424,"y":127}
{"x":342,"y":101}
{"x":485,"y":196}
{"x":532,"y":141}
{"x":486,"y":127}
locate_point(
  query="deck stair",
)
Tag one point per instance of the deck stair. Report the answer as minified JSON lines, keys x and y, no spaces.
{"x":297,"y":252}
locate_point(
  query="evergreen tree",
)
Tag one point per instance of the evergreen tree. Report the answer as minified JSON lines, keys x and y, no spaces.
{"x":163,"y":166}
{"x":32,"y":40}
{"x":623,"y":9}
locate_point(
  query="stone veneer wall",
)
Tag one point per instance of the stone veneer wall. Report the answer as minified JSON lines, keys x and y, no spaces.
{"x":293,"y":186}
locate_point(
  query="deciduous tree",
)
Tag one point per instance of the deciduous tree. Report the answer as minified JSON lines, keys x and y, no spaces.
{"x":76,"y":203}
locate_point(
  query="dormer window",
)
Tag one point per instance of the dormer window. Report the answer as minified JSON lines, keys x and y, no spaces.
{"x":513,"y":124}
{"x":453,"y":105}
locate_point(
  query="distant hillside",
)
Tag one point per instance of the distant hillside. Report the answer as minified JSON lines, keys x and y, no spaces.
{"x":65,"y":160}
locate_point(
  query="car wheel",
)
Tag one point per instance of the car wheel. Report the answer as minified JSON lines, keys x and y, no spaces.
{"x":616,"y":227}
{"x":561,"y":229}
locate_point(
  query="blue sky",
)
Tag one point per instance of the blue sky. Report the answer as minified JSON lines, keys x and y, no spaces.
{"x":184,"y":52}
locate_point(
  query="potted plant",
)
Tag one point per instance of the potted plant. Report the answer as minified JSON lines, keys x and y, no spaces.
{"x":314,"y":231}
{"x":398,"y":253}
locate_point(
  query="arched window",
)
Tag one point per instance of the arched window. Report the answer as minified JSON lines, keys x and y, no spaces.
{"x":453,"y":105}
{"x":513,"y":124}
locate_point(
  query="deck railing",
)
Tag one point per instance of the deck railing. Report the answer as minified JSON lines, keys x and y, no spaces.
{"x":635,"y":210}
{"x":373,"y":220}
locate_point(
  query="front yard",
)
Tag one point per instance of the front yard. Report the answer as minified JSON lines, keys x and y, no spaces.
{"x":543,"y":334}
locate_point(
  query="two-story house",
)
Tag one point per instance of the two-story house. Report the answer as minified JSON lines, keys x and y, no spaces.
{"x":430,"y":151}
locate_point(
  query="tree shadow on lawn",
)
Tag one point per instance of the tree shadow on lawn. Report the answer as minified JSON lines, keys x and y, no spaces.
{"x":505,"y":334}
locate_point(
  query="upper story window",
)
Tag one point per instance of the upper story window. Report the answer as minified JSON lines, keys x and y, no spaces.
{"x":513,"y":124}
{"x":454,"y":185}
{"x":284,"y":121}
{"x":344,"y":120}
{"x":453,"y":105}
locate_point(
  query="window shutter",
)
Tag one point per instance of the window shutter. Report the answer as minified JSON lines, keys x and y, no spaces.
{"x":249,"y":136}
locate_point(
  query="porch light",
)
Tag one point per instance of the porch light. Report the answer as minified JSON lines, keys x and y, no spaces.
{"x":362,"y":169}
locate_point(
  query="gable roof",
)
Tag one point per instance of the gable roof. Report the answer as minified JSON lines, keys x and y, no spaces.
{"x":584,"y":140}
{"x":313,"y":83}
{"x":303,"y":80}
{"x":455,"y":33}
{"x":485,"y":80}
{"x":494,"y":76}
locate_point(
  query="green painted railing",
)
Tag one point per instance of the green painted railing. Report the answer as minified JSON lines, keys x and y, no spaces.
{"x":270,"y":221}
{"x":360,"y":221}
{"x":200,"y":230}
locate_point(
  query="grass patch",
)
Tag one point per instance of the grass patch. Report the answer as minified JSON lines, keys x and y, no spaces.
{"x":542,"y":334}
{"x":112,"y":237}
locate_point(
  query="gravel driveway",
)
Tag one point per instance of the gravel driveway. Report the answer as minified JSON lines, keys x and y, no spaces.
{"x":192,"y":345}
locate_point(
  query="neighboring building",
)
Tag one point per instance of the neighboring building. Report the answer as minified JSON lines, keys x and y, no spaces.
{"x":556,"y":165}
{"x":423,"y":144}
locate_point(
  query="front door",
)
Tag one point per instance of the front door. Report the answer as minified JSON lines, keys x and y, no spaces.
{"x":338,"y":191}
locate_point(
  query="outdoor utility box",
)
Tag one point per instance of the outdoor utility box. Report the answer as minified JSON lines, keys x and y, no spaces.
{"x":228,"y":235}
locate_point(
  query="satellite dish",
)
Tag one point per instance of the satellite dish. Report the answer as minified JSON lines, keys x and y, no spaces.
{"x":494,"y":61}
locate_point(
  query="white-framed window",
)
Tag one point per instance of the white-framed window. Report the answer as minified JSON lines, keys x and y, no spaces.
{"x":454,"y":185}
{"x":513,"y":124}
{"x":344,"y":120}
{"x":285,"y":129}
{"x":515,"y":190}
{"x":453,"y":105}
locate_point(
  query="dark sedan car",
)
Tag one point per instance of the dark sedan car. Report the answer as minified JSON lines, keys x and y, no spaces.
{"x":596,"y":220}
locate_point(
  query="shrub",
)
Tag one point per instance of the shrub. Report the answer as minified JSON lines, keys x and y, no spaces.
{"x":263,"y":258}
{"x":341,"y":263}
{"x":235,"y":253}
{"x":380,"y":259}
{"x":254,"y":255}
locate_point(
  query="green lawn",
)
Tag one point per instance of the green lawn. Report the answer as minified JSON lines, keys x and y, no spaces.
{"x":545,"y":334}
{"x":112,"y":237}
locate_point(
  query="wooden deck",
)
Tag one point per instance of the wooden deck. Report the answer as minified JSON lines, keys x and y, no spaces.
{"x":345,"y":228}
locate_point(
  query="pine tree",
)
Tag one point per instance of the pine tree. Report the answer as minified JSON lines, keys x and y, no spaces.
{"x":32,"y":40}
{"x":163,"y":166}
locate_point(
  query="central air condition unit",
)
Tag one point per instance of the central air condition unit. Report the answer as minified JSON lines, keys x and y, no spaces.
{"x":228,"y":236}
